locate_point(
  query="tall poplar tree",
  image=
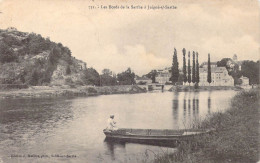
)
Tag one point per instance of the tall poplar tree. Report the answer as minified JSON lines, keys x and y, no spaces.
{"x":193,"y":68}
{"x":184,"y":66}
{"x":189,"y":70}
{"x":209,"y":70}
{"x":197,"y":68}
{"x":175,"y":68}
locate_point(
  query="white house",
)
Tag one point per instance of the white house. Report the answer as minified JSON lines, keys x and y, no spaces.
{"x":163,"y":75}
{"x":245,"y":81}
{"x":219,"y":77}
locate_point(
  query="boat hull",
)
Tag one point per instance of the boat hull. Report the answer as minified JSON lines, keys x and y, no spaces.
{"x":152,"y":136}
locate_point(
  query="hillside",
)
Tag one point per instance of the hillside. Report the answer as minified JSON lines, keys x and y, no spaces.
{"x":29,"y":59}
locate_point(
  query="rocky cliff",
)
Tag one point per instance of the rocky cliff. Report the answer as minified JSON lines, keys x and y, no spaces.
{"x":30,"y":59}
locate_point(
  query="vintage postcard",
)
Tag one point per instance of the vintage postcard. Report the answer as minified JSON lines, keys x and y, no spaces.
{"x":129,"y":81}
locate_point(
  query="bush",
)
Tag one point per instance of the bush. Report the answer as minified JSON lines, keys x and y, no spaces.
{"x":68,"y":81}
{"x":10,"y":41}
{"x":91,"y":90}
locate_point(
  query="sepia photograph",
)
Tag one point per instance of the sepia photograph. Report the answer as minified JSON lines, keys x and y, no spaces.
{"x":129,"y":81}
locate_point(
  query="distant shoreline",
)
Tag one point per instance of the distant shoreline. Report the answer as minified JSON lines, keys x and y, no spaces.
{"x":67,"y":91}
{"x":85,"y":91}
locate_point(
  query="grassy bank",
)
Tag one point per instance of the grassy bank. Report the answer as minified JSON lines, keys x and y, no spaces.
{"x":235,"y":139}
{"x":184,"y":88}
{"x":60,"y":91}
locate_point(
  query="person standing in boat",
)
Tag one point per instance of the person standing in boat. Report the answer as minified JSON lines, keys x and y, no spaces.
{"x":111,"y":123}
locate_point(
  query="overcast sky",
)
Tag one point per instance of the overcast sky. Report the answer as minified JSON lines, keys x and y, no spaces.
{"x":140,"y":39}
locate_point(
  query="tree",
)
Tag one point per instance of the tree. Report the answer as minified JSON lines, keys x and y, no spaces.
{"x":91,"y":77}
{"x":193,"y":68}
{"x":189,"y":70}
{"x":107,"y":78}
{"x":223,"y":62}
{"x":55,"y":54}
{"x":175,"y":69}
{"x":34,"y":78}
{"x":126,"y":78}
{"x":250,"y":69}
{"x":232,"y":68}
{"x":184,"y":66}
{"x":107,"y":72}
{"x":197,"y":68}
{"x":209,"y":70}
{"x":37,"y":44}
{"x":68,"y":71}
{"x":152,"y":75}
{"x":6,"y":53}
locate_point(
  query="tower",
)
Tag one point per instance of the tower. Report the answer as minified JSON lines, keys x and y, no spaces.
{"x":235,"y":58}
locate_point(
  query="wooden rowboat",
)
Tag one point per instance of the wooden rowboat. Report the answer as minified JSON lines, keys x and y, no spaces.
{"x":152,"y":135}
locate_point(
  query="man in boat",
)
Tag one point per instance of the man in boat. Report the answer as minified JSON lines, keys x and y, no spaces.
{"x":111,"y":123}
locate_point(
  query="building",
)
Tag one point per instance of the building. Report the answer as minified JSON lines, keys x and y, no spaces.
{"x":163,"y":75}
{"x":244,"y":81}
{"x":219,"y":77}
{"x":205,"y":64}
{"x":11,"y":29}
{"x":143,"y":80}
{"x":81,"y":65}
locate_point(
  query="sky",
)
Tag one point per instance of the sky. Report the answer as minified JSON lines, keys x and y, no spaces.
{"x":140,"y":39}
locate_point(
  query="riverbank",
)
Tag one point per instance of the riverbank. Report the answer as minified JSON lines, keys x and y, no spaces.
{"x":183,"y":88}
{"x":67,"y":91}
{"x":235,"y":139}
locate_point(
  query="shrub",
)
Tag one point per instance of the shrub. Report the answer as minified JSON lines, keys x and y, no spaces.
{"x":91,"y":90}
{"x":68,"y":81}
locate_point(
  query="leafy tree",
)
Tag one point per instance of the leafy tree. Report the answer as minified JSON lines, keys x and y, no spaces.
{"x":189,"y":69}
{"x":193,"y":68}
{"x":107,"y":72}
{"x":232,"y":68}
{"x":37,"y":44}
{"x":91,"y":77}
{"x":197,"y":69}
{"x":6,"y":53}
{"x":10,"y":40}
{"x":250,"y":69}
{"x":181,"y":79}
{"x":209,"y":70}
{"x":107,"y":78}
{"x":68,"y":70}
{"x":175,"y":68}
{"x":126,"y":78}
{"x":55,"y":55}
{"x":223,"y":62}
{"x":34,"y":78}
{"x":184,"y":66}
{"x":152,"y":75}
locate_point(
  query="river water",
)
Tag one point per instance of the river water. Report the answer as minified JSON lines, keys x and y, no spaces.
{"x":51,"y":130}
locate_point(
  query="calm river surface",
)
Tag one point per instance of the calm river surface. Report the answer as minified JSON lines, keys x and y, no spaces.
{"x":74,"y":126}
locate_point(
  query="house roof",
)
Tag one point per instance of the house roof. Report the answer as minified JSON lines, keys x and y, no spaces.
{"x":243,"y":77}
{"x":214,"y":69}
{"x":206,"y":63}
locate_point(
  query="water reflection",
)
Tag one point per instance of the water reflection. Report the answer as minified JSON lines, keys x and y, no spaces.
{"x":23,"y":119}
{"x":175,"y":106}
{"x":209,"y":102}
{"x":184,"y":108}
{"x":111,"y":146}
